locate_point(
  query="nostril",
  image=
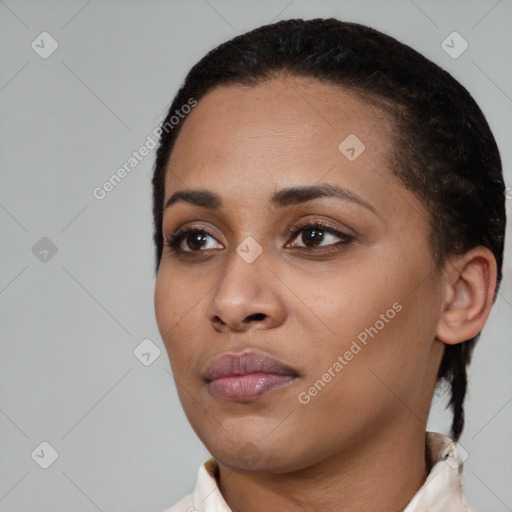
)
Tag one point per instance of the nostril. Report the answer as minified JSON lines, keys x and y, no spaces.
{"x":256,"y":316}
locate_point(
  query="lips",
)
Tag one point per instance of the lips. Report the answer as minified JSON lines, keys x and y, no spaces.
{"x":245,"y":376}
{"x":245,"y":363}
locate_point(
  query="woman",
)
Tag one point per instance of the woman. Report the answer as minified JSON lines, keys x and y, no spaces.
{"x":329,"y":226}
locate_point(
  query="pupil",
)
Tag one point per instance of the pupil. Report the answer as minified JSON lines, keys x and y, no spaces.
{"x":313,"y":237}
{"x":194,"y":238}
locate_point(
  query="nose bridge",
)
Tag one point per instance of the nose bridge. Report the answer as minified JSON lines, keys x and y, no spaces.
{"x":242,"y":280}
{"x":245,"y":293}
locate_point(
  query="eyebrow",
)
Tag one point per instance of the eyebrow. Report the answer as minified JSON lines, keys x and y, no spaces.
{"x":280,"y":199}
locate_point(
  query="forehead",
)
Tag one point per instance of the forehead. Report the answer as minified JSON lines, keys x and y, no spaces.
{"x":242,"y":141}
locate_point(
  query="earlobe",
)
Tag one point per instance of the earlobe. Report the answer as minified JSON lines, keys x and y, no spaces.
{"x":470,"y":284}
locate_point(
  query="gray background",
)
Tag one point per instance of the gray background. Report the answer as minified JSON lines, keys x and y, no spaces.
{"x":69,"y":325}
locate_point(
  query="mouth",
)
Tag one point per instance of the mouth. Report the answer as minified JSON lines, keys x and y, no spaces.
{"x":244,"y":388}
{"x":243,"y":377}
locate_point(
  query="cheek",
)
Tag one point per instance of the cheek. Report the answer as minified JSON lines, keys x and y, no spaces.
{"x":177,"y":293}
{"x":382,"y":319}
{"x":375,"y":377}
{"x":349,"y":298}
{"x":165,"y":312}
{"x":395,"y":345}
{"x":174,"y":301}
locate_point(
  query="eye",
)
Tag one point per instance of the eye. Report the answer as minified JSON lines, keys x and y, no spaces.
{"x":315,"y":233}
{"x":195,"y":238}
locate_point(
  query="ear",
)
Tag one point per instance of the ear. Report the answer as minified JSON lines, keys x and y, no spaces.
{"x":470,"y":284}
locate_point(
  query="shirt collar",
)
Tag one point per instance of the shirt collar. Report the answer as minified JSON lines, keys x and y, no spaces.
{"x":441,"y":491}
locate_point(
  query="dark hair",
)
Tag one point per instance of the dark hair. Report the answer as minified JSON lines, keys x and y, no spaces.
{"x":443,"y":150}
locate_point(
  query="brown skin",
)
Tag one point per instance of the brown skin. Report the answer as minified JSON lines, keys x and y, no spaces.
{"x":360,"y":442}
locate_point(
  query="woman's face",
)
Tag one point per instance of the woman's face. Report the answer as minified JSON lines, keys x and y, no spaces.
{"x":354,"y":314}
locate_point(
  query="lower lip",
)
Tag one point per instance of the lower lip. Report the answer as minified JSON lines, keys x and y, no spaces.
{"x":243,"y":388}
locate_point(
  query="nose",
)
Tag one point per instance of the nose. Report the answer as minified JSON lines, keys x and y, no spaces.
{"x":248,"y":296}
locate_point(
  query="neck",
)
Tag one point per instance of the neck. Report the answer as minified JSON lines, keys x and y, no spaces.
{"x":382,"y":475}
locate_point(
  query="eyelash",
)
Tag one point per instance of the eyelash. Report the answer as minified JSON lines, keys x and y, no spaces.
{"x":174,"y":240}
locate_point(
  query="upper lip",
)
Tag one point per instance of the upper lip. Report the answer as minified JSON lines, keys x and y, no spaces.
{"x":244,"y":363}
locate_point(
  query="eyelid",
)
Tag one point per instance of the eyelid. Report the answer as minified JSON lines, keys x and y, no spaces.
{"x":344,"y":237}
{"x":339,"y":230}
{"x":173,"y":239}
{"x":192,"y":227}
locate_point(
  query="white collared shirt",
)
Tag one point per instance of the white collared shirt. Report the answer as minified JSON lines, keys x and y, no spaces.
{"x":441,"y":492}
